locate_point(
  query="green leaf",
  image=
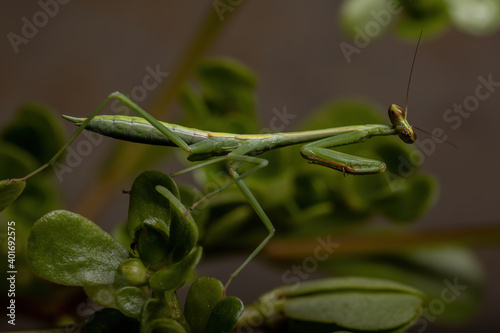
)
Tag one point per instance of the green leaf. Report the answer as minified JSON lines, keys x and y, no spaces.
{"x":147,"y":205}
{"x":194,"y":107}
{"x":429,"y":16}
{"x":202,"y":297}
{"x":410,"y":199}
{"x":184,"y":232}
{"x":66,"y":248}
{"x":111,"y":320}
{"x":356,"y":310}
{"x":357,"y":17}
{"x":450,"y":275}
{"x":37,"y":130}
{"x":9,"y":192}
{"x":334,"y":304}
{"x":228,"y":92}
{"x":166,"y":326}
{"x":130,"y":301}
{"x":225,"y":315}
{"x":478,"y":17}
{"x":153,"y":245}
{"x":40,"y":197}
{"x":174,"y":276}
{"x":348,"y":284}
{"x":16,"y":162}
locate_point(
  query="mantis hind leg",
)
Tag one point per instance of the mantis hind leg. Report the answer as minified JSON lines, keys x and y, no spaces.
{"x":236,"y":160}
{"x":320,"y":152}
{"x":260,"y":212}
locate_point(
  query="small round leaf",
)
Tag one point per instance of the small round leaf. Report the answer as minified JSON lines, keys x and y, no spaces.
{"x":201,"y":299}
{"x":224,"y":315}
{"x":66,"y":248}
{"x":130,"y":301}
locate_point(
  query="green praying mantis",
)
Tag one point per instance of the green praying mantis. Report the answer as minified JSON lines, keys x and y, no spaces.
{"x":236,"y":150}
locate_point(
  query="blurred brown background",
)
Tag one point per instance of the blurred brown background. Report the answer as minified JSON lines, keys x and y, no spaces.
{"x":89,"y":49}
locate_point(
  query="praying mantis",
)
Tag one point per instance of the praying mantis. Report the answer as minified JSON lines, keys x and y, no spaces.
{"x":236,"y":150}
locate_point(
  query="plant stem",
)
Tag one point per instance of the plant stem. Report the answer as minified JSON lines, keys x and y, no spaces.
{"x":380,"y":242}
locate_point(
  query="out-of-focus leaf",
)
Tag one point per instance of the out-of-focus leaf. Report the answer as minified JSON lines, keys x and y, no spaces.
{"x":9,"y":192}
{"x":359,"y":311}
{"x":39,"y":197}
{"x":16,"y":162}
{"x":429,"y":16}
{"x":349,"y":284}
{"x":411,"y":198}
{"x":477,"y":17}
{"x":227,"y":93}
{"x":111,"y":320}
{"x":37,"y":130}
{"x":339,"y":304}
{"x":68,"y":249}
{"x":447,"y":275}
{"x":228,"y":85}
{"x":102,"y":295}
{"x":357,"y":16}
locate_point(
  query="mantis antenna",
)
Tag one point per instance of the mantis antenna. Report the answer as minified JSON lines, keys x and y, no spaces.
{"x":408,"y":92}
{"x":411,"y":72}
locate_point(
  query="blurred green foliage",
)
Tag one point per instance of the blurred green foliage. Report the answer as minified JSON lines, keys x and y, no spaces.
{"x":407,"y":18}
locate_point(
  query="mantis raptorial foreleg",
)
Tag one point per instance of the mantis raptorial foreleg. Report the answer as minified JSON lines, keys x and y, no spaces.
{"x":319,"y":152}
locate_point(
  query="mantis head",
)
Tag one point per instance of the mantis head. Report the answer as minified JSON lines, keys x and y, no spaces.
{"x":398,"y":119}
{"x":398,"y":115}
